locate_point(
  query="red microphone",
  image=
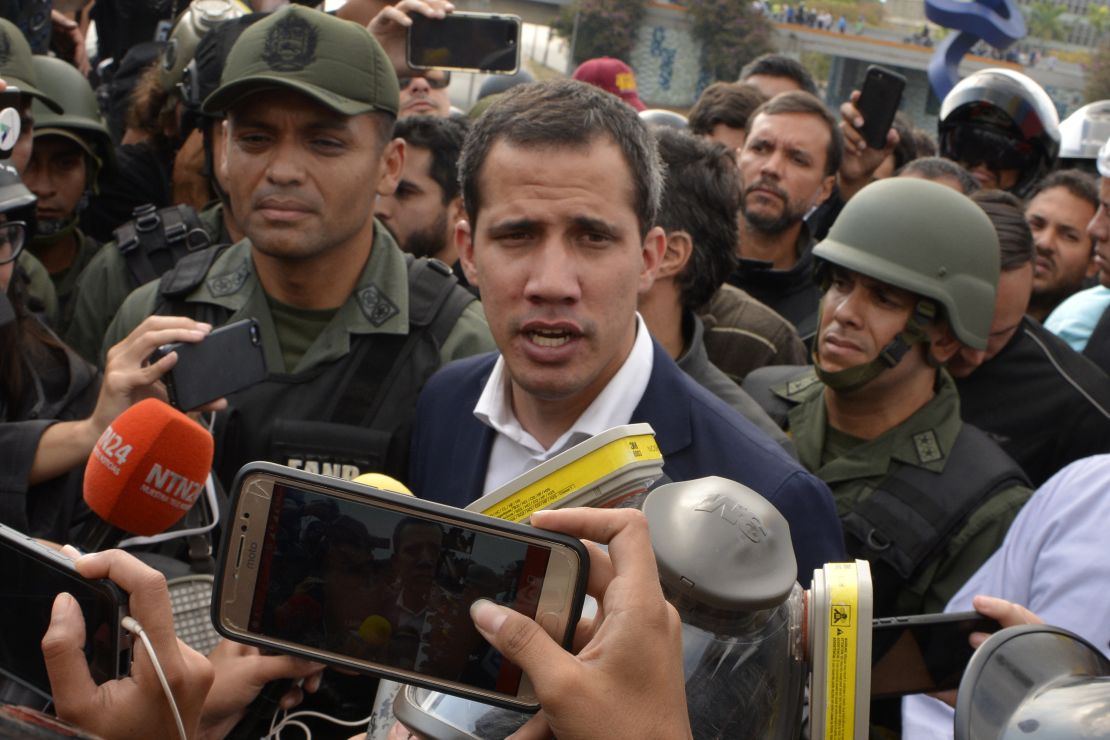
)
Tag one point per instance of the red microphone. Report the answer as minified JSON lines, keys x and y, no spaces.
{"x":146,"y":471}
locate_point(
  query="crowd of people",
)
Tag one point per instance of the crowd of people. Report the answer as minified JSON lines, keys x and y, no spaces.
{"x":903,"y":349}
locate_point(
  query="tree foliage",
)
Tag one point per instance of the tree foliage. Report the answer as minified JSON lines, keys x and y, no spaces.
{"x":1098,"y":74}
{"x":731,"y":33}
{"x":606,"y":28}
{"x":1098,"y":18}
{"x":1044,"y":21}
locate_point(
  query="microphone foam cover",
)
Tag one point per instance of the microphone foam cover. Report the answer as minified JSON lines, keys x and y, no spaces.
{"x":148,"y":468}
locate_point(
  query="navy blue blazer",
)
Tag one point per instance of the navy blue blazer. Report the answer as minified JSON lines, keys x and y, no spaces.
{"x":698,"y":434}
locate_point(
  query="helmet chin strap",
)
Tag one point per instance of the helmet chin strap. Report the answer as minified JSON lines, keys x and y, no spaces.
{"x":853,"y":378}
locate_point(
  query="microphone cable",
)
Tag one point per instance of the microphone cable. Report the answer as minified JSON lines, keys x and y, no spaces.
{"x":132,"y":625}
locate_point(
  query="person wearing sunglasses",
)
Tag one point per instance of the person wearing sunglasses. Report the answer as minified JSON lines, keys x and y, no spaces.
{"x":424,"y":93}
{"x":1002,"y":127}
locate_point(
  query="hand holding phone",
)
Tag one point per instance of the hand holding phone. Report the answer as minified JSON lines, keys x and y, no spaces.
{"x":878,"y":103}
{"x":591,"y":693}
{"x":923,"y":653}
{"x":382,"y":583}
{"x":132,"y":707}
{"x":229,"y":359}
{"x":390,"y":28}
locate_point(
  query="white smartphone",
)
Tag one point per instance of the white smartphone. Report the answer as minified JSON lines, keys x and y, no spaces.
{"x":382,"y":583}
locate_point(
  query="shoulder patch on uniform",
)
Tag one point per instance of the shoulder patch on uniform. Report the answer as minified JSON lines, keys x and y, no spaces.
{"x":376,"y":306}
{"x":794,"y":387}
{"x":290,"y":45}
{"x":928,"y":449}
{"x":229,"y":282}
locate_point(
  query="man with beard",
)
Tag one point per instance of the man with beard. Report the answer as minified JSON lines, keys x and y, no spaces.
{"x":788,"y":166}
{"x":909,"y":273}
{"x":422,"y":213}
{"x":1058,"y":213}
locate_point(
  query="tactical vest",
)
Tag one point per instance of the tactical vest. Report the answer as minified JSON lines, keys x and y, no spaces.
{"x":1098,"y":344}
{"x":156,"y":240}
{"x":913,"y":513}
{"x":908,"y":520}
{"x":344,"y":418}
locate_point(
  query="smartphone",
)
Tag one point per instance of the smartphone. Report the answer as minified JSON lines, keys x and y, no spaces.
{"x":878,"y":102}
{"x":922,"y":653}
{"x":229,"y":359}
{"x":382,"y":583}
{"x":10,"y":121}
{"x":33,"y":576}
{"x":475,"y":42}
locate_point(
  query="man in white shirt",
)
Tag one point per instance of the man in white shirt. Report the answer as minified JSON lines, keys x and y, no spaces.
{"x":561,"y":185}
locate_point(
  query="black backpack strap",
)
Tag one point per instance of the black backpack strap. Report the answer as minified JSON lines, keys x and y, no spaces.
{"x":155,"y":240}
{"x":435,"y":303}
{"x":1098,"y":344}
{"x":913,"y":512}
{"x":189,"y":272}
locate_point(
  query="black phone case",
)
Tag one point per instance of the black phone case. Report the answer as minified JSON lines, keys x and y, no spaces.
{"x":229,"y":359}
{"x":458,"y":49}
{"x":879,"y":99}
{"x":119,"y":645}
{"x":395,"y":500}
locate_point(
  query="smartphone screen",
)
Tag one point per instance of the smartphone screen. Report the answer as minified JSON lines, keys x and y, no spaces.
{"x":914,"y":655}
{"x":467,"y":41}
{"x":31,"y":582}
{"x":387,"y":588}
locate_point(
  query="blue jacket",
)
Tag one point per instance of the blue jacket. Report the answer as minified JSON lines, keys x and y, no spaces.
{"x":698,"y":434}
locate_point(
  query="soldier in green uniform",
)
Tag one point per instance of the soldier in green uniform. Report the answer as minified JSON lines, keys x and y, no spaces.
{"x":70,"y":150}
{"x":909,"y":270}
{"x":351,"y":328}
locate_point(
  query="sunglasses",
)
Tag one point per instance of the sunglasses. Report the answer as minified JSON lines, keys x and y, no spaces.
{"x":435,"y":83}
{"x":971,"y":145}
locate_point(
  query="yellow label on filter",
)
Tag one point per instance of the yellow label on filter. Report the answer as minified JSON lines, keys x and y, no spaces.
{"x":575,"y":476}
{"x":842,"y":584}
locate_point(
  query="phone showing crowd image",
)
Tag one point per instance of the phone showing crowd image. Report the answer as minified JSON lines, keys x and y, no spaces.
{"x":33,"y":577}
{"x":471,"y":42}
{"x":382,"y":583}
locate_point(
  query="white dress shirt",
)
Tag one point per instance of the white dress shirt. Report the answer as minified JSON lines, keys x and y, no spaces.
{"x":515,"y":451}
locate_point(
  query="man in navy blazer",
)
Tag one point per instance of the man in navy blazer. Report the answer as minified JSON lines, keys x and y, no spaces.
{"x":561,"y":184}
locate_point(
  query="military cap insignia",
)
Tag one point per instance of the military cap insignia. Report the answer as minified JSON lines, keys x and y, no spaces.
{"x":5,"y":47}
{"x":376,"y":306}
{"x":928,"y":449}
{"x":290,"y":45}
{"x":229,"y":282}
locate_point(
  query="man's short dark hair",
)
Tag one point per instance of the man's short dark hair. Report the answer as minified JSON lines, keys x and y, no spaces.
{"x":564,"y":114}
{"x":728,"y":103}
{"x":1015,"y":240}
{"x":443,"y":137}
{"x":925,"y":143}
{"x":937,"y":168}
{"x":906,"y":151}
{"x":776,"y":65}
{"x":1077,"y":182}
{"x":797,"y":101}
{"x":701,"y":197}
